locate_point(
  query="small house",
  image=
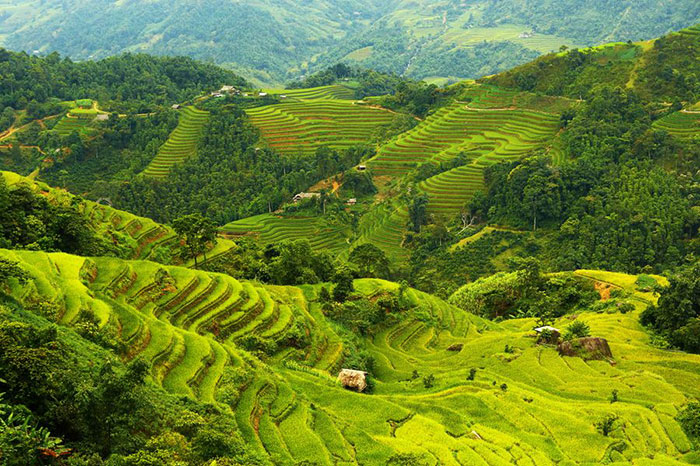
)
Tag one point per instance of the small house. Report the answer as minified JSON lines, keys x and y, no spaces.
{"x":228,"y":90}
{"x":176,"y":107}
{"x":352,"y":379}
{"x":351,"y":202}
{"x":547,"y":327}
{"x":361,"y":168}
{"x":302,"y":196}
{"x":262,"y":94}
{"x":283,"y":96}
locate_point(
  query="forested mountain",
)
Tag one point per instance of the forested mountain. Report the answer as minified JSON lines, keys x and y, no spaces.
{"x":278,"y":40}
{"x":357,"y":269}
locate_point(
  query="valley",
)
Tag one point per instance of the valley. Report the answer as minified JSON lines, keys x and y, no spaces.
{"x":358,"y":268}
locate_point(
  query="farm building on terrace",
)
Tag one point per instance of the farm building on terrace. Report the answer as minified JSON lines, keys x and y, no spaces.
{"x":356,"y":380}
{"x":229,"y":90}
{"x":302,"y":196}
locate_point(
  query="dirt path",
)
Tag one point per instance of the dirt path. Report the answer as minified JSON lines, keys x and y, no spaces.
{"x":14,"y":129}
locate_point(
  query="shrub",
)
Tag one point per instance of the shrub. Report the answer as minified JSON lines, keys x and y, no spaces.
{"x":210,"y":443}
{"x":472,"y":374}
{"x":429,"y":381}
{"x":625,"y":307}
{"x":614,"y":396}
{"x":689,"y":419}
{"x":324,"y":295}
{"x":547,"y":337}
{"x":257,"y":343}
{"x":606,"y":425}
{"x":577,"y":329}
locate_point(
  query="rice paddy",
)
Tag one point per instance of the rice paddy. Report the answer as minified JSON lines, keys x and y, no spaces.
{"x":73,"y":123}
{"x":683,"y":124}
{"x":181,"y":144}
{"x":300,"y":127}
{"x":527,"y":405}
{"x":335,"y":91}
{"x":269,"y":228}
{"x":136,"y":237}
{"x":486,"y":135}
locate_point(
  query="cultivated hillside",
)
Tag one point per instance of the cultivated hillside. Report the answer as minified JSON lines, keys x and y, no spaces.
{"x":131,"y":236}
{"x":522,"y":402}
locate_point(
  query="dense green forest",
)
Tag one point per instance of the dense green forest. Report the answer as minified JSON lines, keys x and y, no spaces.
{"x":357,"y":269}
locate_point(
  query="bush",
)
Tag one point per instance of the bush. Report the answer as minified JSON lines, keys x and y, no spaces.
{"x":577,"y":329}
{"x":606,"y":425}
{"x":429,"y":381}
{"x":689,"y":419}
{"x":472,"y":374}
{"x":210,"y":443}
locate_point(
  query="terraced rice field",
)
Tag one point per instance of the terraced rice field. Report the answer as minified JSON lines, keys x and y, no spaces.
{"x":384,"y":227}
{"x":138,"y":237}
{"x":300,"y":127}
{"x":529,"y":406}
{"x":181,"y":144}
{"x":69,"y":124}
{"x":335,"y":91}
{"x":683,"y":124}
{"x":487,"y":136}
{"x":272,"y":229}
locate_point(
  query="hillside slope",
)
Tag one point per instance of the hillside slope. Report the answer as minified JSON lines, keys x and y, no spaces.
{"x":661,"y":69}
{"x":417,"y":38}
{"x":189,"y":326}
{"x":134,"y":237}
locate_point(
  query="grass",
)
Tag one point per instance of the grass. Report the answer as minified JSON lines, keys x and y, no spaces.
{"x":544,"y":415}
{"x":181,"y":144}
{"x":301,"y":126}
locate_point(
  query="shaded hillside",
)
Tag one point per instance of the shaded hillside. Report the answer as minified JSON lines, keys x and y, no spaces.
{"x":277,"y":40}
{"x":664,"y":69}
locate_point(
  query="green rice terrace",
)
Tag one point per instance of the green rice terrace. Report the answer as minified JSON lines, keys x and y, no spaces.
{"x":181,"y":144}
{"x":334,"y":91}
{"x":683,"y":124}
{"x":137,"y":237}
{"x":301,"y":126}
{"x":270,"y":228}
{"x":494,"y":397}
{"x":73,"y":123}
{"x":488,"y":124}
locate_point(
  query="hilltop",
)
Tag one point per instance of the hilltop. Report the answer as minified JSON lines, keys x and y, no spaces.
{"x":443,"y":40}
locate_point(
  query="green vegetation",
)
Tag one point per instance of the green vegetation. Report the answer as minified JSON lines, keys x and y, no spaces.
{"x":418,"y":38}
{"x":663,"y":69}
{"x":488,"y":262}
{"x":299,"y":128}
{"x":189,"y":328}
{"x":181,"y":144}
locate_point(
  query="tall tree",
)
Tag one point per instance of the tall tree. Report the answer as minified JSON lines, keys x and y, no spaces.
{"x":196,"y":232}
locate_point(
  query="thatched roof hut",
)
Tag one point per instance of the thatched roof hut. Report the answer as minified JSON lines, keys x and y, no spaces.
{"x":356,"y":380}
